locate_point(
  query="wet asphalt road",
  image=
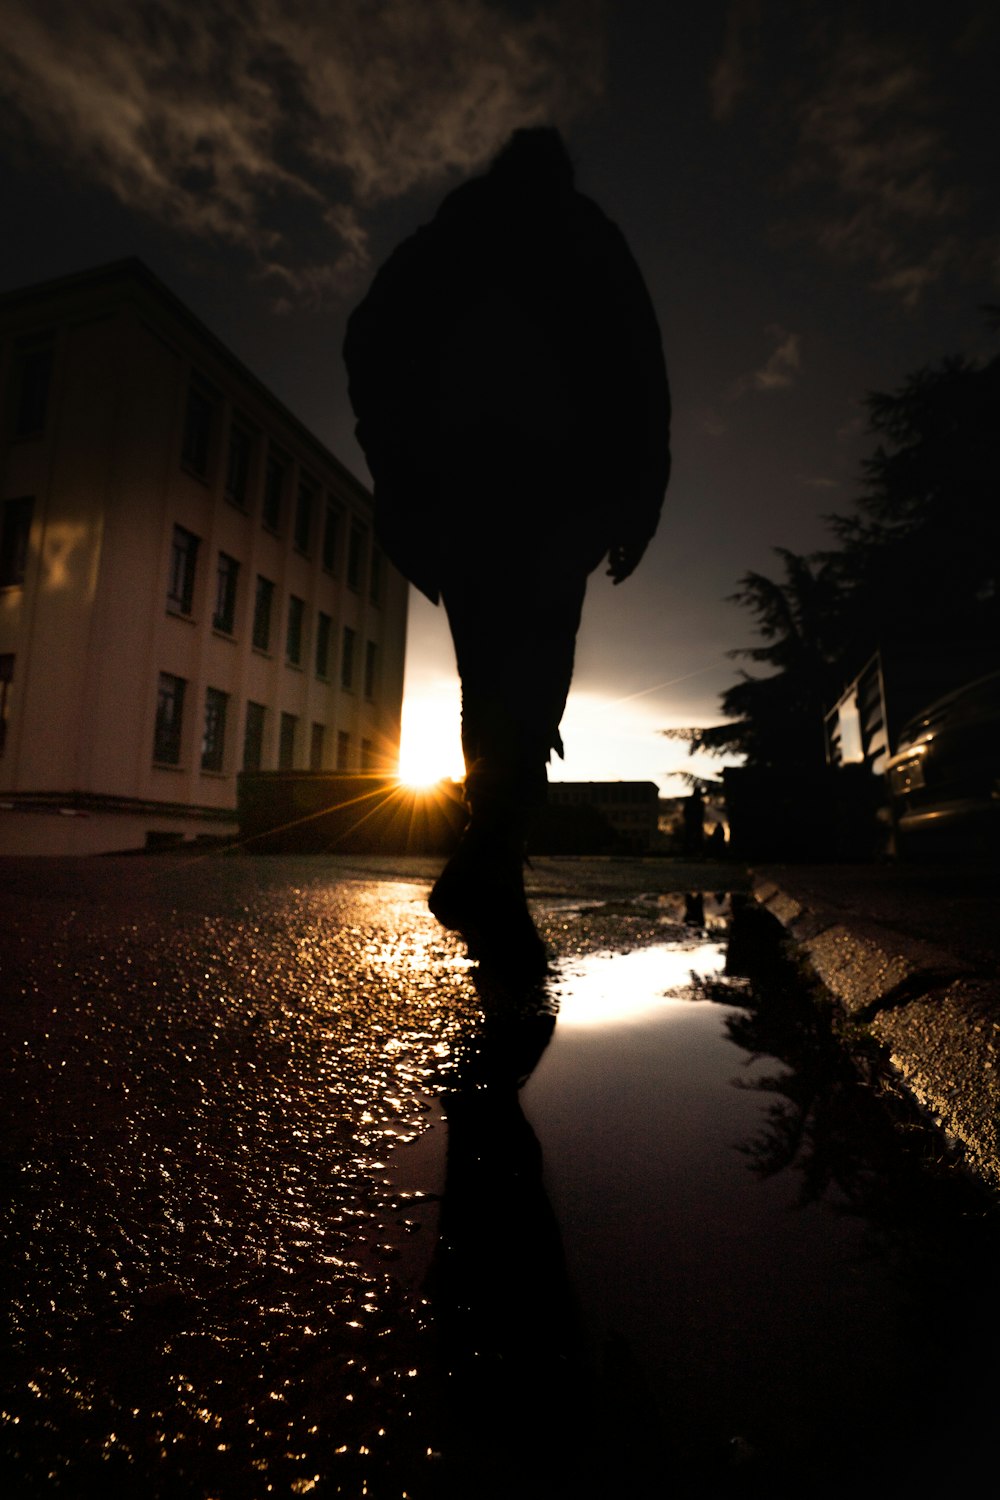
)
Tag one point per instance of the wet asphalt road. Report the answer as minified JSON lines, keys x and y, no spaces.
{"x":217,"y":1274}
{"x":239,"y":1263}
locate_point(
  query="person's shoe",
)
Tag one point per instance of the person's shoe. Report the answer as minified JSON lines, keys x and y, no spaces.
{"x":483,"y":870}
{"x":480,"y":894}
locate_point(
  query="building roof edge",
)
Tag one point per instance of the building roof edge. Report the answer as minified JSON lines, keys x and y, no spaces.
{"x":133,"y":269}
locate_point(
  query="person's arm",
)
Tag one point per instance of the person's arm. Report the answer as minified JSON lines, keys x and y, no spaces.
{"x":628,"y":345}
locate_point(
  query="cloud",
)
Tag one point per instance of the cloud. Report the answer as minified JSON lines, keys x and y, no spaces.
{"x":869,"y":130}
{"x":779,"y":370}
{"x":277,"y":125}
{"x":782,"y":366}
{"x":711,"y":423}
{"x":863,"y":112}
{"x":820,"y":482}
{"x":730,"y":78}
{"x":910,"y":278}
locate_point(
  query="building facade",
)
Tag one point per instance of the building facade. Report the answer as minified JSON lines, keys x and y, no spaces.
{"x":629,"y":808}
{"x":189,"y":580}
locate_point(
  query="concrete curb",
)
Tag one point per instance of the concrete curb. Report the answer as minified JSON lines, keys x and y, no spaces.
{"x":938,"y":1020}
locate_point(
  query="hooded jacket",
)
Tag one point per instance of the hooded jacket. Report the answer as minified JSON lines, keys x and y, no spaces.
{"x":513,"y":336}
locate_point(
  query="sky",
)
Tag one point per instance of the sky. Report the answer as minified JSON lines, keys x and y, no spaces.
{"x":809,"y":189}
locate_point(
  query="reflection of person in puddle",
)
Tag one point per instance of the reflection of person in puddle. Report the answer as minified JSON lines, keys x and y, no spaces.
{"x":507,"y":373}
{"x":521,"y":1413}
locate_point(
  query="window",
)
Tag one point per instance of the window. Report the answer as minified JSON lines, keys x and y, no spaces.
{"x":355,"y":556}
{"x":367,"y":756}
{"x":253,"y":737}
{"x":33,"y":378}
{"x":343,"y":750}
{"x":375,"y":579}
{"x":331,"y":524}
{"x":183,"y":558}
{"x":169,"y":718}
{"x":286,"y":742}
{"x":224,"y":617}
{"x":316,"y":747}
{"x":15,"y":530}
{"x":199,"y":416}
{"x":302,"y":531}
{"x":6,"y":678}
{"x":262,"y":604}
{"x":238,"y":465}
{"x":293,"y":637}
{"x":213,"y":741}
{"x":275,"y":479}
{"x":347,"y":659}
{"x":324,"y":635}
{"x":371,"y":668}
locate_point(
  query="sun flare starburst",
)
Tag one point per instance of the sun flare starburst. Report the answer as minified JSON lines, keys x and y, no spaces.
{"x":429,"y":749}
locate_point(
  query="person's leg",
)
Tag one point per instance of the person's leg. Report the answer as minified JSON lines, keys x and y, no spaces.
{"x":514,"y":626}
{"x":514,"y":638}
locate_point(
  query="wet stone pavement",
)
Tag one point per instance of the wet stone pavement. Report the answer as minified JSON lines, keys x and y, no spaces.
{"x":299,"y":1201}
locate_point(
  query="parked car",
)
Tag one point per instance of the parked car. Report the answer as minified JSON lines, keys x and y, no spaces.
{"x":944,"y":780}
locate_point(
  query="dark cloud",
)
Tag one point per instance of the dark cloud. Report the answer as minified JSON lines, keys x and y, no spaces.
{"x":710,"y":423}
{"x":871,"y":132}
{"x":731,"y":77}
{"x":779,"y":370}
{"x":818,"y":482}
{"x":856,"y":105}
{"x":223,"y":121}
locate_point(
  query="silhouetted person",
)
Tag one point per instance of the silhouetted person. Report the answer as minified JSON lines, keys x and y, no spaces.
{"x":715,"y":844}
{"x":507,"y":374}
{"x":694,"y":823}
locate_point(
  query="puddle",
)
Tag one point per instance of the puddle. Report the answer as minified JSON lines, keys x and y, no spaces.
{"x":680,"y":1246}
{"x":709,"y":912}
{"x":765,"y":1285}
{"x":620,"y":989}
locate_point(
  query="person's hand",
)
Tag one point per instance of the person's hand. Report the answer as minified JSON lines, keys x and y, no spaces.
{"x":624,"y":557}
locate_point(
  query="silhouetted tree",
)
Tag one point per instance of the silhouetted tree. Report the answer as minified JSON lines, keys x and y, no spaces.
{"x":777,"y":720}
{"x":916,"y":573}
{"x":919,"y":562}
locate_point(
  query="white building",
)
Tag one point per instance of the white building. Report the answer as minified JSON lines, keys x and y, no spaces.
{"x":189,"y":582}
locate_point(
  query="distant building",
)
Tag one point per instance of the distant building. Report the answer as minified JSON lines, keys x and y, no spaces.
{"x":189,"y":582}
{"x":629,"y":808}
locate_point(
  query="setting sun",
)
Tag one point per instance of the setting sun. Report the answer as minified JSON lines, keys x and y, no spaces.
{"x":430,"y":742}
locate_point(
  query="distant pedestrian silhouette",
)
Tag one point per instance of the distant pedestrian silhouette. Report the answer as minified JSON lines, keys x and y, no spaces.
{"x":508,"y":378}
{"x":694,"y":822}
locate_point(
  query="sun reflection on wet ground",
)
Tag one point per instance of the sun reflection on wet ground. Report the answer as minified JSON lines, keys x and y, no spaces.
{"x":599,"y":994}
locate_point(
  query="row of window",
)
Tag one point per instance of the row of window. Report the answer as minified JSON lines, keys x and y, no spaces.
{"x":304,"y":511}
{"x":180,"y":599}
{"x":171,"y":703}
{"x":15,"y":531}
{"x":307,"y":505}
{"x":171,"y":699}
